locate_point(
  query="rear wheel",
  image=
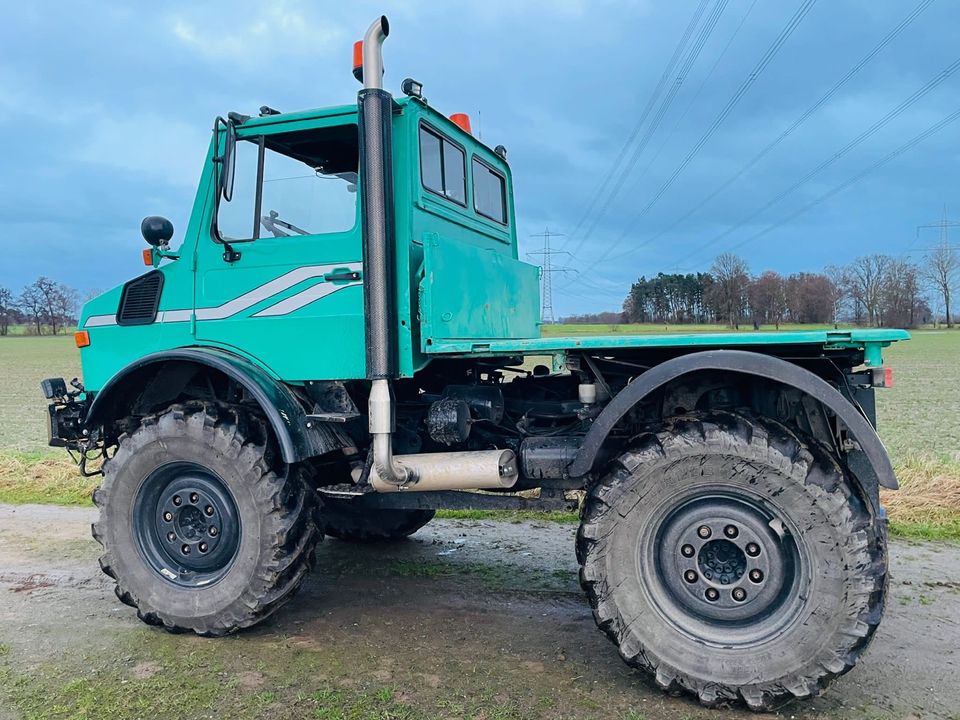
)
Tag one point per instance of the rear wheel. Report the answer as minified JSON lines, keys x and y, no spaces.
{"x":732,"y":560}
{"x":199,"y":529}
{"x":348,"y":520}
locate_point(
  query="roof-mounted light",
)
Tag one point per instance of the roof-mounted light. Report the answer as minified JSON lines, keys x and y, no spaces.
{"x":358,"y":60}
{"x":412,"y":88}
{"x":462,"y":121}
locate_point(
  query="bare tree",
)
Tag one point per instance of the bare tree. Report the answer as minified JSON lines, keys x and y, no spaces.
{"x":940,"y":271}
{"x":862,"y":281}
{"x":901,"y":304}
{"x":6,"y":310}
{"x":768,"y":299}
{"x":31,"y":301}
{"x":729,"y":292}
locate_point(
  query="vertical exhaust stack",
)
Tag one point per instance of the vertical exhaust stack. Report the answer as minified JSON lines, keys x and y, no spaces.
{"x":376,"y":152}
{"x":435,"y":471}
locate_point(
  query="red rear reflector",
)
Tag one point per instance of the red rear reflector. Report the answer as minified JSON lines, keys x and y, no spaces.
{"x":462,"y":121}
{"x":82,"y":338}
{"x":148,"y":256}
{"x":888,"y":377}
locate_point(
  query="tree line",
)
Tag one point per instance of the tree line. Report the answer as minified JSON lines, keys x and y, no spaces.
{"x":44,"y":306}
{"x":873,"y":290}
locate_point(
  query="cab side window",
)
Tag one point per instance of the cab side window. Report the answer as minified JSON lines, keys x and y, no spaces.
{"x":489,"y":192}
{"x":442,"y":166}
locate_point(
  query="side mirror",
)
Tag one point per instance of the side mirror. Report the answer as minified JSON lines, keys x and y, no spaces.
{"x":228,"y":162}
{"x":156,"y":230}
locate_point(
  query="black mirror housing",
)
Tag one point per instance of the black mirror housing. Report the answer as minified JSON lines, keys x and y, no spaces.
{"x":156,"y":230}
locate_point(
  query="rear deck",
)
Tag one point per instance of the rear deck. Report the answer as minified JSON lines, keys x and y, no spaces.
{"x":870,"y":341}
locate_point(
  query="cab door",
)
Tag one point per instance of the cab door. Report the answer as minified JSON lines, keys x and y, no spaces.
{"x":280,"y":276}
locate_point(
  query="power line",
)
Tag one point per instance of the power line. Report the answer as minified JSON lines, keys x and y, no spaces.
{"x":917,"y":139}
{"x":742,"y":90}
{"x":705,"y":32}
{"x":547,"y":271}
{"x":862,"y":137}
{"x":667,"y":71}
{"x":823,"y":99}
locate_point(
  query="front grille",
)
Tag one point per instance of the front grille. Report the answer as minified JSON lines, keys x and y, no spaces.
{"x":140,"y":299}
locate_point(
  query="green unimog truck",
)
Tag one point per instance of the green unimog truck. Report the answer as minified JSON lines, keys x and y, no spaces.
{"x":344,"y":340}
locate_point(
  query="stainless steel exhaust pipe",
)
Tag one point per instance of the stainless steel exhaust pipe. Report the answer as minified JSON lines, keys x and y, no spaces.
{"x":477,"y":470}
{"x":376,"y":183}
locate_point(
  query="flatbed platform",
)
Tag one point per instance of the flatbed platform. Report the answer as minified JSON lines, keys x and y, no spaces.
{"x":866,"y":339}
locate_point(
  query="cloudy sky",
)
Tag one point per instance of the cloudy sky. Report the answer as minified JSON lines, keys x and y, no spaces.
{"x":105,"y":110}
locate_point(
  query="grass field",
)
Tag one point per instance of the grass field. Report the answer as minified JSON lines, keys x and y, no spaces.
{"x":919,"y":421}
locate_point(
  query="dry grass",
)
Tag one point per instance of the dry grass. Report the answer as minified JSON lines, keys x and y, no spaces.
{"x":42,"y":478}
{"x":927,"y":505}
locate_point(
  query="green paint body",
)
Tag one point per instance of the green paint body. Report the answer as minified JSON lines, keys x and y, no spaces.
{"x":460,"y":288}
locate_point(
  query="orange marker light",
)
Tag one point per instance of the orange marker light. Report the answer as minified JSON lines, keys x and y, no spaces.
{"x":358,"y":60}
{"x":462,"y":121}
{"x":148,"y":256}
{"x":82,"y":338}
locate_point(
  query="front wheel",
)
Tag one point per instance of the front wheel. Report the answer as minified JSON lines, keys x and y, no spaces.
{"x":199,"y":529}
{"x":731,"y":560}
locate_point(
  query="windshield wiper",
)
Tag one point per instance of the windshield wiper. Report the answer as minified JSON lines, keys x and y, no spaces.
{"x":273,"y":223}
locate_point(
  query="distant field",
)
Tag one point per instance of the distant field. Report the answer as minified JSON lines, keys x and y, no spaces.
{"x":24,"y":362}
{"x":919,"y":421}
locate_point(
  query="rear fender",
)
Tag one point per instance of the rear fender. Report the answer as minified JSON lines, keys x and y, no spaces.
{"x":868,"y":461}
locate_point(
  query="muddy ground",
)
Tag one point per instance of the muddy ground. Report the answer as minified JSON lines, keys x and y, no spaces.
{"x":468,"y":619}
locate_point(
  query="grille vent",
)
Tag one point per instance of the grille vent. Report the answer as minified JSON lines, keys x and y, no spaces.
{"x":140,"y":300}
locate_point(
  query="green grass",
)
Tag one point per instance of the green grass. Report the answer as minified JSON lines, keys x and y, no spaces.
{"x":24,"y":362}
{"x":515,"y":516}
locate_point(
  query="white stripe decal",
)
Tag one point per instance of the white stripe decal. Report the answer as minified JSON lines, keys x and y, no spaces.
{"x":251,"y":298}
{"x":302,"y":299}
{"x":100,"y":321}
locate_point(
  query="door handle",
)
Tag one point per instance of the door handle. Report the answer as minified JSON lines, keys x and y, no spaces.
{"x":342,"y":276}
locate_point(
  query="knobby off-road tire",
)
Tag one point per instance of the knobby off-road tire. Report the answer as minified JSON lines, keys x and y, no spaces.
{"x":347,"y":520}
{"x":199,"y":529}
{"x":731,"y":560}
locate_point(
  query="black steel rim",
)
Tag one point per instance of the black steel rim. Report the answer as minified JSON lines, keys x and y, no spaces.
{"x":725,"y":567}
{"x":186,"y":524}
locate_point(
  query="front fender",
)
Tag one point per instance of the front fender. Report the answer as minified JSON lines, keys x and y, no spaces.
{"x":281,"y":408}
{"x":745,"y":363}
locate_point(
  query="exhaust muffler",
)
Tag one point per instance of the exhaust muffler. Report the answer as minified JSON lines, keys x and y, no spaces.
{"x":476,"y":470}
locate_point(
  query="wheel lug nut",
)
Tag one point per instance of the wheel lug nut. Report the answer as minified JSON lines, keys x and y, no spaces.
{"x":731,"y":531}
{"x":168,"y":516}
{"x":756,"y":576}
{"x":194,"y":498}
{"x":171,"y":536}
{"x":203,"y":547}
{"x":185,"y":549}
{"x":208,"y":510}
{"x":712,"y":594}
{"x":687,"y":551}
{"x":690,"y":576}
{"x":753,"y":549}
{"x":739,"y":594}
{"x":177,"y":500}
{"x":704,"y":532}
{"x":708,"y":575}
{"x":213,"y":531}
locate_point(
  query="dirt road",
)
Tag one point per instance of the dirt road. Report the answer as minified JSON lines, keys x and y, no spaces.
{"x":465,"y":620}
